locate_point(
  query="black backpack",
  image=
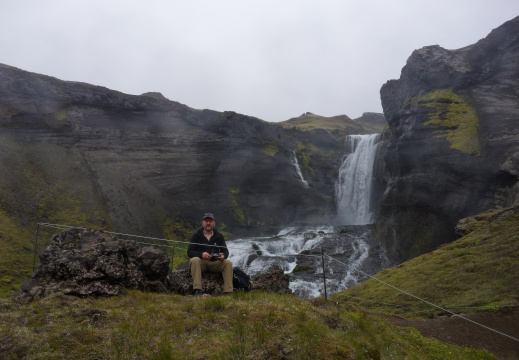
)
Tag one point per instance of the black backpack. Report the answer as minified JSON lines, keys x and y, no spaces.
{"x":240,"y":280}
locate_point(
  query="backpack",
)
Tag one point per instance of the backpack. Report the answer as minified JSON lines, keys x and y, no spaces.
{"x":240,"y":280}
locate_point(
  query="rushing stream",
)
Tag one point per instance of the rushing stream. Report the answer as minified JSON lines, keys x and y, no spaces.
{"x":348,"y":248}
{"x":298,"y":252}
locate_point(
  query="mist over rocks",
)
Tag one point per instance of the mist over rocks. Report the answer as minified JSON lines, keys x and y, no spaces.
{"x":451,"y":146}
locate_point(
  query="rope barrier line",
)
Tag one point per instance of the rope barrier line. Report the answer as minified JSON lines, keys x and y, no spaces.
{"x":464,"y":307}
{"x":378,"y":302}
{"x":58,"y":226}
{"x":63,"y":227}
{"x":427,"y":302}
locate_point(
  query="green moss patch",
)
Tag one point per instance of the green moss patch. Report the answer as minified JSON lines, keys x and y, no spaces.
{"x":237,"y":211}
{"x":271,"y":148}
{"x":40,"y":182}
{"x":16,"y":242}
{"x":455,"y":119}
{"x":177,"y":230}
{"x":478,"y":270}
{"x":299,"y":268}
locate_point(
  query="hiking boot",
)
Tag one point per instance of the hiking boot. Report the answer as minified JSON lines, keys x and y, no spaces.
{"x":197,"y":292}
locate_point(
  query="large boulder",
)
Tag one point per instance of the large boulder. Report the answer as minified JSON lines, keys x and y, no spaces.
{"x":89,"y":262}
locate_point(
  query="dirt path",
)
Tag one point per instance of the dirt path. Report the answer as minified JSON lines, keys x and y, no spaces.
{"x":454,"y":330}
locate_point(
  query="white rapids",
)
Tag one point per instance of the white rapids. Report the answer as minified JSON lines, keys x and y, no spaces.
{"x":297,"y":250}
{"x":302,"y":246}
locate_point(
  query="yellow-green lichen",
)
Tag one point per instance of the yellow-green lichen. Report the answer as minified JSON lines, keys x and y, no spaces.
{"x":236,"y":211}
{"x":61,"y":115}
{"x":455,"y":119}
{"x":304,"y":162}
{"x":271,"y":148}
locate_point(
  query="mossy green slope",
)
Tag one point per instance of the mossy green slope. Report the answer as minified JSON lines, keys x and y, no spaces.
{"x":242,"y":326}
{"x":455,"y":119}
{"x":339,"y":125}
{"x":17,"y":254}
{"x":31,"y":193}
{"x":478,"y":270}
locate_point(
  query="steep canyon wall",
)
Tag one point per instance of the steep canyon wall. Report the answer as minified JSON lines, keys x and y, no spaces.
{"x":85,"y":155}
{"x":452,"y":146}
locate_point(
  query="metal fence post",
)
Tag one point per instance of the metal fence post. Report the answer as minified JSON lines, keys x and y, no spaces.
{"x":35,"y":246}
{"x":324,"y":276}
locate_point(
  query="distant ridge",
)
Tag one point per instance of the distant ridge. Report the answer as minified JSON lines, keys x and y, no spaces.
{"x":339,"y":125}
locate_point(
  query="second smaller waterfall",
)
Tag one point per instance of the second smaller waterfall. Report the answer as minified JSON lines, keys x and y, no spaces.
{"x":354,"y":185}
{"x":294,"y":162}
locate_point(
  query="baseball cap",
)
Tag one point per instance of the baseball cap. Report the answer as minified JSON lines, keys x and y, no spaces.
{"x":208,"y":215}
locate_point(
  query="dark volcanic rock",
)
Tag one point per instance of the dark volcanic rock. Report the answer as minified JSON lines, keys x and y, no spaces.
{"x":88,"y":262}
{"x":452,"y":148}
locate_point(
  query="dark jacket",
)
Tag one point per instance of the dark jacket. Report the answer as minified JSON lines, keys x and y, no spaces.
{"x":199,"y":244}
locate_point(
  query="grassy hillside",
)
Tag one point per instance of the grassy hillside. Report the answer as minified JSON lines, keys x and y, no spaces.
{"x":339,"y":126}
{"x":40,"y":182}
{"x":478,"y":270}
{"x":242,"y":326}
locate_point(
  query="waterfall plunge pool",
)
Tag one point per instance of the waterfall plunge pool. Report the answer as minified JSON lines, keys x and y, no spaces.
{"x":297,"y":251}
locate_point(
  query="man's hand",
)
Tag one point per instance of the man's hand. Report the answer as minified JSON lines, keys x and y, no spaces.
{"x":206,"y":256}
{"x":220,"y":258}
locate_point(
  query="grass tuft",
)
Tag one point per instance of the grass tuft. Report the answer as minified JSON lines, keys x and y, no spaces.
{"x":251,"y":325}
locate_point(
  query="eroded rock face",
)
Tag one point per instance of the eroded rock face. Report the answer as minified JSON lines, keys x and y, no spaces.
{"x":86,"y":262}
{"x":140,"y":162}
{"x":452,"y":144}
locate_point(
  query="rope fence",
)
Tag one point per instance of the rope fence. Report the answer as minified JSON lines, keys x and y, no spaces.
{"x":65,"y":227}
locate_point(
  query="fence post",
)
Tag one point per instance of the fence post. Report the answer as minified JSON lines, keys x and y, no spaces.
{"x":324,"y":276}
{"x":35,"y":246}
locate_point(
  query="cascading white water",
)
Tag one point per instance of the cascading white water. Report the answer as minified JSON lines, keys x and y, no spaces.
{"x":302,"y":246}
{"x":294,"y":162}
{"x":278,"y":250}
{"x":353,"y":187}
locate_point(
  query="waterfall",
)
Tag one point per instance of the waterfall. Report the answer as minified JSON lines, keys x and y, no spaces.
{"x":353,"y":187}
{"x":294,"y":162}
{"x":297,"y":251}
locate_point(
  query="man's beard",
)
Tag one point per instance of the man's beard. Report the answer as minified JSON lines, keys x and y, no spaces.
{"x":208,"y":228}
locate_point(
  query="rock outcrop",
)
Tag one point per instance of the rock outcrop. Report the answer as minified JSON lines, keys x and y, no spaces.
{"x":452,"y":147}
{"x":85,"y":262}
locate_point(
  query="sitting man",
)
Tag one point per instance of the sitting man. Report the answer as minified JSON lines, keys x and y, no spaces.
{"x":208,"y":252}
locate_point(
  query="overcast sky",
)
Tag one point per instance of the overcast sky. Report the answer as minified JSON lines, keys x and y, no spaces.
{"x":270,"y":59}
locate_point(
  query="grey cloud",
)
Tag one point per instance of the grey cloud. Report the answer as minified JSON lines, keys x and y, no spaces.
{"x":270,"y":59}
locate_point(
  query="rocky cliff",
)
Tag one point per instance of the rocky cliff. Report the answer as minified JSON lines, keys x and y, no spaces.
{"x":80,"y":154}
{"x":452,"y":146}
